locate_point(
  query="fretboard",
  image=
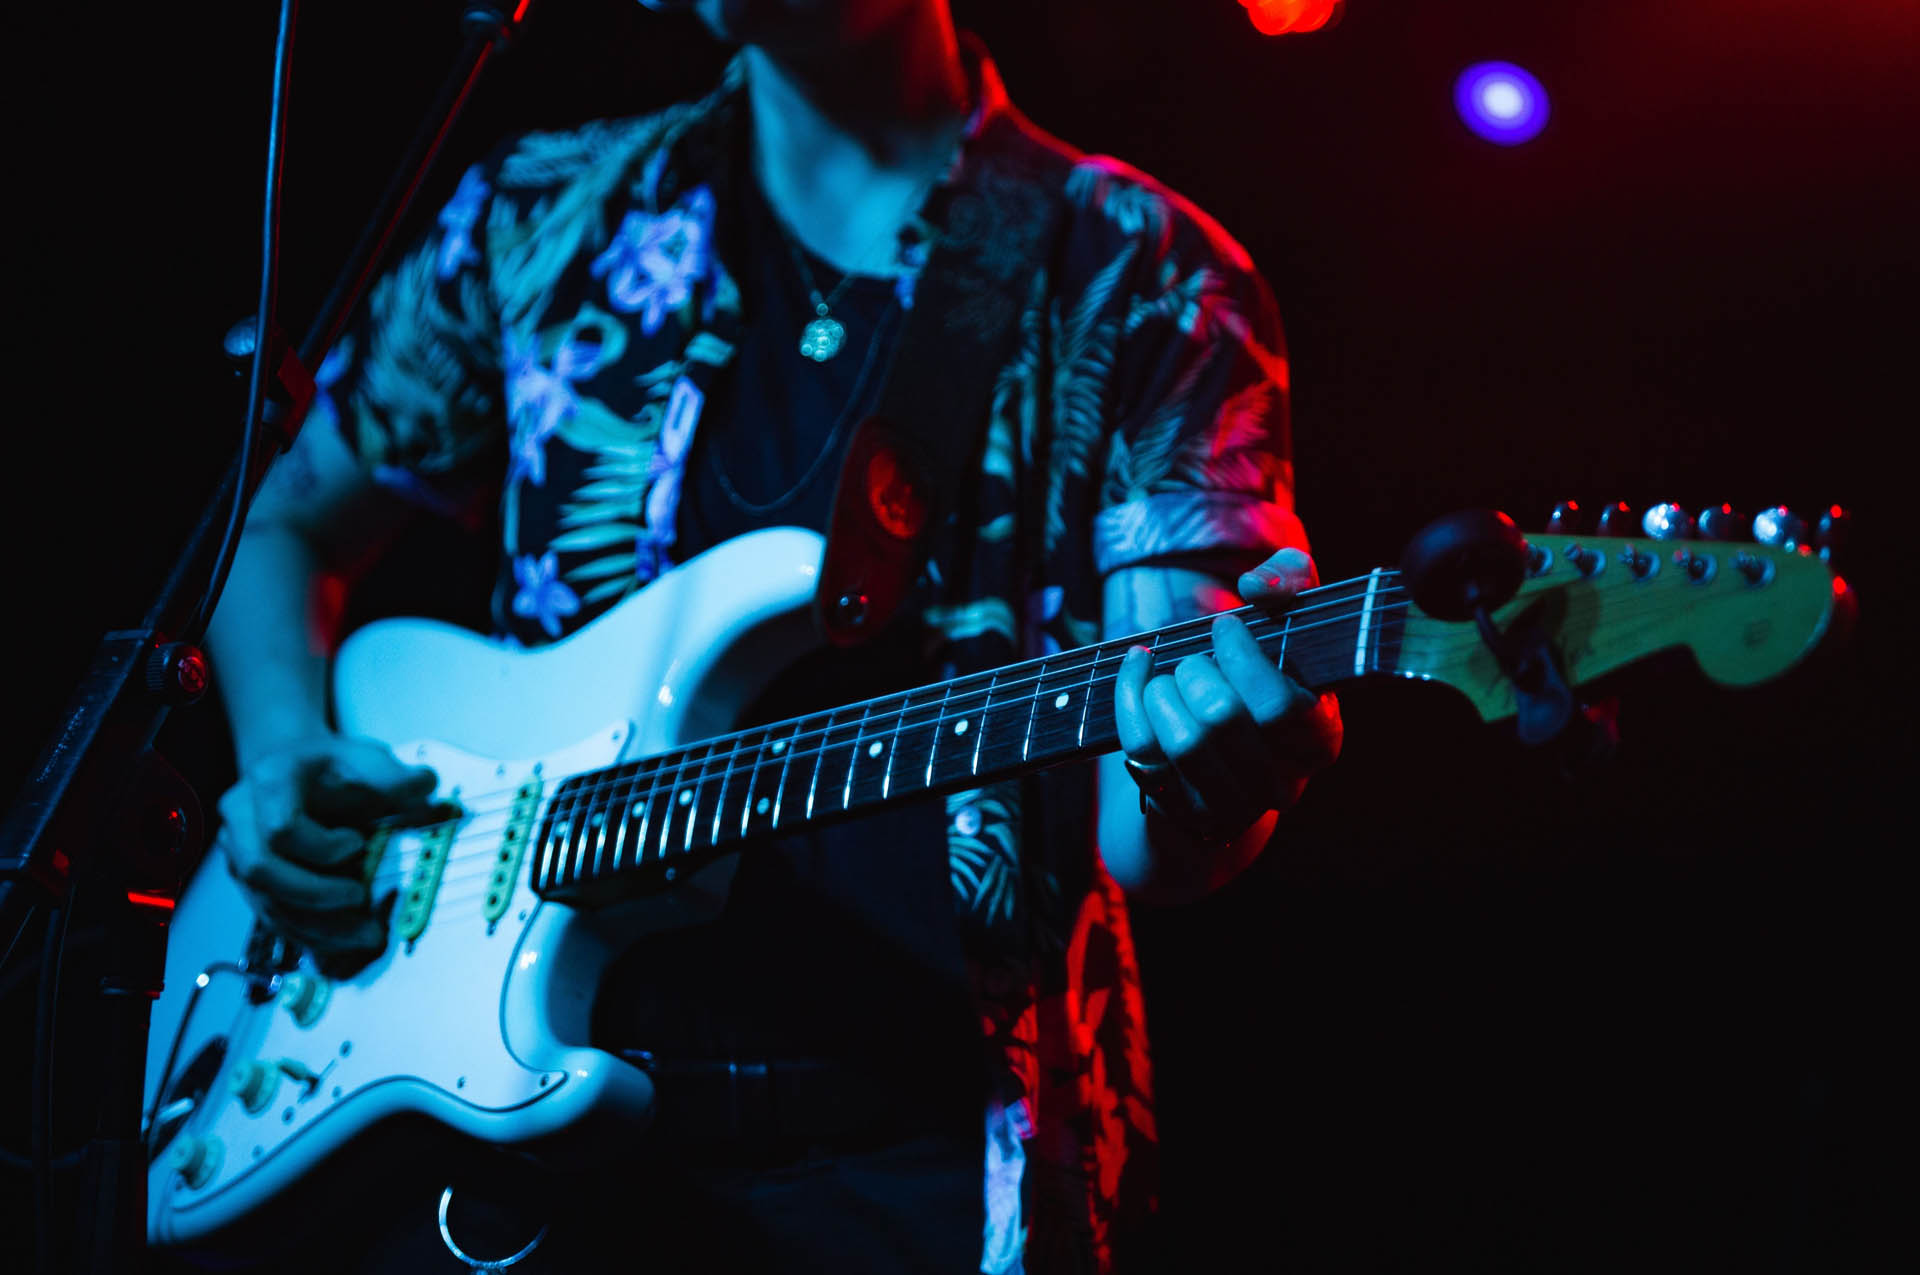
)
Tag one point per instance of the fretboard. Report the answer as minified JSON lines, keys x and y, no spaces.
{"x":646,"y":823}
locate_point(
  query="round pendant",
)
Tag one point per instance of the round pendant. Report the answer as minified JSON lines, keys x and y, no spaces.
{"x":821,"y":339}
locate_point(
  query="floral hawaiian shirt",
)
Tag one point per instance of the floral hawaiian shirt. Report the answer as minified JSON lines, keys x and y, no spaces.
{"x":571,"y":308}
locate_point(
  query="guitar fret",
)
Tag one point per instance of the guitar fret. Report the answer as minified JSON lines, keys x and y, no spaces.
{"x":1366,"y":613}
{"x":980,"y":733}
{"x":1086,"y":696}
{"x":853,"y":759}
{"x":720,"y":802}
{"x":1033,"y":707}
{"x":673,"y":804}
{"x":786,"y":764}
{"x":819,"y":759}
{"x":893,"y":745}
{"x":939,"y":717}
{"x":623,"y":827}
{"x":647,"y":807}
{"x":753,"y":784}
{"x":687,"y":802}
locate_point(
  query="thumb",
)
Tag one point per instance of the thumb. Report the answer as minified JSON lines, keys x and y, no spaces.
{"x":364,"y":778}
{"x":1282,"y":576}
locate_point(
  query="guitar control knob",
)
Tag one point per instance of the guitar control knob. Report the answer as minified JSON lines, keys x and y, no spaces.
{"x":1615,"y":520}
{"x":253,"y":1083}
{"x":304,"y":995}
{"x":1719,"y":523}
{"x":1830,"y":534}
{"x":1567,"y":519}
{"x":1780,"y":527}
{"x":1668,"y":522}
{"x":196,"y":1159}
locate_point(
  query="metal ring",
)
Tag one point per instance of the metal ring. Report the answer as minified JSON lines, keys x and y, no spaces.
{"x":474,"y":1263}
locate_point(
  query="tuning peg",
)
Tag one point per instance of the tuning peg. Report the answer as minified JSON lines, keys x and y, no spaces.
{"x":1780,"y":527}
{"x":1615,"y":520}
{"x":1830,"y":535}
{"x":1718,"y":523}
{"x":1668,"y":522}
{"x":1567,"y":519}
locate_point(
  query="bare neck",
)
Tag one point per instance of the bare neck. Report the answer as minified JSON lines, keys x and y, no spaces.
{"x":843,"y":141}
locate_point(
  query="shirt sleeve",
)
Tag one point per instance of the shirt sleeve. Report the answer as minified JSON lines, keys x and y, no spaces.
{"x":1199,"y":458}
{"x":414,"y":385}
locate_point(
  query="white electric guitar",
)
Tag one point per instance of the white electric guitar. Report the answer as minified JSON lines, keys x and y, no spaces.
{"x":581,"y":779}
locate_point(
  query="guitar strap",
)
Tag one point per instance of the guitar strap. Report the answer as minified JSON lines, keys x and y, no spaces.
{"x":905,"y":465}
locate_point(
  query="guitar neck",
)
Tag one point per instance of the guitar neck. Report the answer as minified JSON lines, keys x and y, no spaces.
{"x":647,"y":823}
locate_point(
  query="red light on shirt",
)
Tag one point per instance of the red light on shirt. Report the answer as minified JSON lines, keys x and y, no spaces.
{"x":1280,"y":17}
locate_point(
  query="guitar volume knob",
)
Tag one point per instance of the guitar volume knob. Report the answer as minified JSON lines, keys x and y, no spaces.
{"x":253,"y":1083}
{"x":196,"y":1159}
{"x":304,"y":995}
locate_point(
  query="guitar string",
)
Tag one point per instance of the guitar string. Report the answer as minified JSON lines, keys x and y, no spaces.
{"x":1263,"y":626}
{"x":453,"y":908}
{"x":490,"y":836}
{"x":951,"y":708}
{"x":488,"y":832}
{"x":698,"y":770}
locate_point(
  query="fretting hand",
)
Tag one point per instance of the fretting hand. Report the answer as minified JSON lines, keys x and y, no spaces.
{"x":1226,"y":737}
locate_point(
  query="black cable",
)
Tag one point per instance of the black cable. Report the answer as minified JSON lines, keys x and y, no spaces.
{"x":263,"y":319}
{"x":18,"y":934}
{"x":52,"y":944}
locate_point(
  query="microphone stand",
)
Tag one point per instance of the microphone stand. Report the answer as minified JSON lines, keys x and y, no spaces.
{"x":100,"y":806}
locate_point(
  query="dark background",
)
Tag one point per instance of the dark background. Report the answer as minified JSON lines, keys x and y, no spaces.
{"x":1465,"y":1012}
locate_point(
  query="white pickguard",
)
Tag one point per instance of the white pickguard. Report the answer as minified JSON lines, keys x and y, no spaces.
{"x":479,"y":1027}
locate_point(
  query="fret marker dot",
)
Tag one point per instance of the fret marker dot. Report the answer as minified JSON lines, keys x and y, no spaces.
{"x":779,"y":746}
{"x":873,"y":749}
{"x":639,"y":808}
{"x":1060,"y":700}
{"x":960,"y":727}
{"x":762,"y":807}
{"x":686,"y":796}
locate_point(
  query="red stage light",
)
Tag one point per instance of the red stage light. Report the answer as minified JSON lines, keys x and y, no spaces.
{"x":1279,"y":17}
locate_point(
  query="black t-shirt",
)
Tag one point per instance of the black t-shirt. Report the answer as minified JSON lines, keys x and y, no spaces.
{"x":837,"y":943}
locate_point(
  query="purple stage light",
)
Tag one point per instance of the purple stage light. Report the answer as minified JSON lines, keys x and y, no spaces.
{"x":1501,"y":102}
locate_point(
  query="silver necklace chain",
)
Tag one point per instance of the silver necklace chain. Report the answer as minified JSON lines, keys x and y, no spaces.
{"x":826,"y":449}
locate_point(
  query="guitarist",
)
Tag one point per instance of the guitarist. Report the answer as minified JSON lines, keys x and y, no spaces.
{"x":664,"y":329}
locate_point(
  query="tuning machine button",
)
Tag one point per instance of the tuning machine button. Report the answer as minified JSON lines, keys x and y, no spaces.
{"x":1830,"y":534}
{"x":1567,"y":519}
{"x":1780,"y":528}
{"x":304,"y":995}
{"x":1668,"y":522}
{"x":1719,"y":522}
{"x":1615,"y":520}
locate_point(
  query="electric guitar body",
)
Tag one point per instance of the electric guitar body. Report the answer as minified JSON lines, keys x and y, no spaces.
{"x":478,"y":1021}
